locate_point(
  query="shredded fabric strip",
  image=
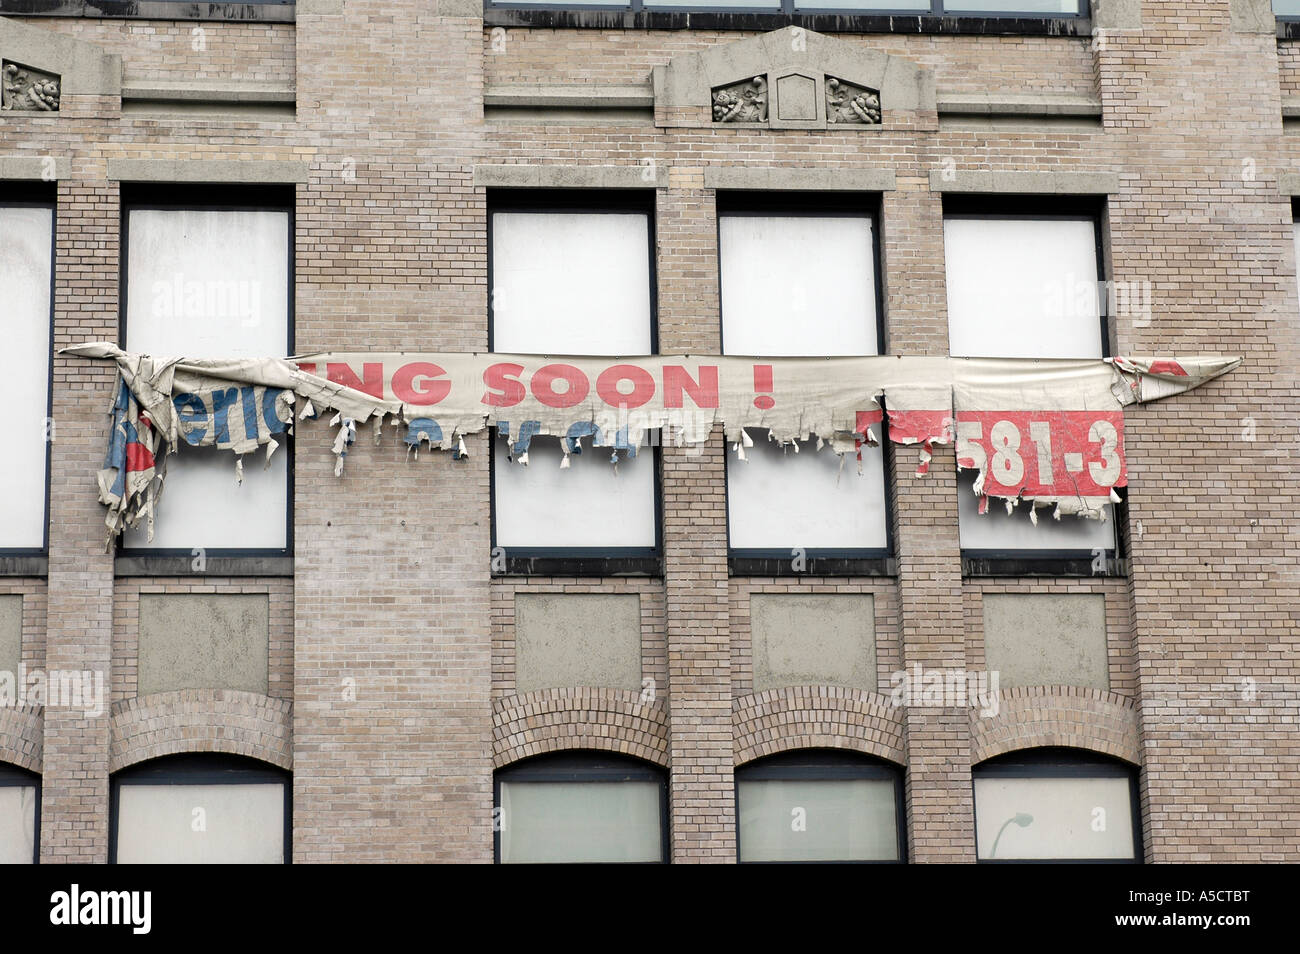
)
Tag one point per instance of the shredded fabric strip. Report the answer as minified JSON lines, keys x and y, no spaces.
{"x":1046,"y":432}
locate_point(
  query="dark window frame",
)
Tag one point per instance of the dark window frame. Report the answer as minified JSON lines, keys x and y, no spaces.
{"x":273,"y":11}
{"x":583,"y":765}
{"x":580,"y":561}
{"x":1064,"y":762}
{"x":37,"y":195}
{"x":13,"y":776}
{"x":200,"y":768}
{"x":1058,"y":562}
{"x":820,"y":561}
{"x":634,"y":15}
{"x":820,"y":764}
{"x":217,"y":198}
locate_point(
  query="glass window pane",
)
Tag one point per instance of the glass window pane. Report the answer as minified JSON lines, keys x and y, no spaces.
{"x":241,"y":824}
{"x":1286,"y":8}
{"x":922,"y":6}
{"x":204,"y":283}
{"x":1036,"y":7}
{"x":1050,"y":818}
{"x":571,"y":283}
{"x":998,"y":530}
{"x":588,"y":504}
{"x":798,"y":285}
{"x":818,"y":820}
{"x":17,"y":824}
{"x":25,"y":385}
{"x":1022,"y":288}
{"x":779,"y":499}
{"x":708,"y":4}
{"x":581,"y":821}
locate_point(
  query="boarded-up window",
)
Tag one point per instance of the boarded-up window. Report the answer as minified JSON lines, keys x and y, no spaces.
{"x":25,"y":270}
{"x":579,"y":283}
{"x":20,"y":796}
{"x":194,"y":809}
{"x":818,"y":806}
{"x":1024,"y":287}
{"x":580,"y":807}
{"x":1054,"y":804}
{"x":208,"y":282}
{"x":797,"y":284}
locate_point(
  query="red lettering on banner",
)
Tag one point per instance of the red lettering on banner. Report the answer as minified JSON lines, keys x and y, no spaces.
{"x":428,"y":391}
{"x":504,"y":387}
{"x":1044,"y":453}
{"x":543,"y":385}
{"x":372,"y":373}
{"x":643,"y":386}
{"x":307,"y":367}
{"x":678,"y":381}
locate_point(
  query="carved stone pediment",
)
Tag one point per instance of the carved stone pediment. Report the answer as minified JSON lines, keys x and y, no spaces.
{"x":25,"y":89}
{"x":41,"y":68}
{"x":791,"y":79}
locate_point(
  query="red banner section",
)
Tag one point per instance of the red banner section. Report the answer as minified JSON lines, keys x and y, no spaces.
{"x":1044,"y":454}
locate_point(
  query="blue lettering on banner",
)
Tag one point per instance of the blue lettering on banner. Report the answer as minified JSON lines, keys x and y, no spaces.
{"x":222,"y":401}
{"x":191,"y":410}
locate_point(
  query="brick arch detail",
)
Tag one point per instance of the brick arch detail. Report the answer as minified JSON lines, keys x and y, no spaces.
{"x":22,"y":737}
{"x":201,"y":720}
{"x":556,"y":720}
{"x":823,"y":717}
{"x":1071,"y":716}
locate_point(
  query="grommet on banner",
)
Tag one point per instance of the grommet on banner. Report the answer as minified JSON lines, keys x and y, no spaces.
{"x":239,"y":470}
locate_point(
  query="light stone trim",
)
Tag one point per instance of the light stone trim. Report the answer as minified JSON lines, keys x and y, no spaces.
{"x":84,"y":69}
{"x":798,"y":179}
{"x":516,"y":176}
{"x":34,"y":167}
{"x":208,"y":170}
{"x":1032,"y":183}
{"x":525,"y":97}
{"x":1002,"y":104}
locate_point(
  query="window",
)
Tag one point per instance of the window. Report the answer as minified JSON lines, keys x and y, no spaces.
{"x":581,"y":807}
{"x":799,"y":278}
{"x":569,"y":276}
{"x":1024,"y":286}
{"x":1054,"y":804}
{"x":820,"y":805}
{"x":1290,"y":9}
{"x":211,"y":275}
{"x":935,"y":8}
{"x":20,"y":815}
{"x":26,"y":272}
{"x":200,"y":809}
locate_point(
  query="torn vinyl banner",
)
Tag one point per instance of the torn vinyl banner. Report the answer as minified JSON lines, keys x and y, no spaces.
{"x":1047,"y":431}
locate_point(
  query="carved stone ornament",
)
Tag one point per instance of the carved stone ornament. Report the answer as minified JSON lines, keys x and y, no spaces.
{"x":847,"y":103}
{"x":28,"y":90}
{"x":744,"y":102}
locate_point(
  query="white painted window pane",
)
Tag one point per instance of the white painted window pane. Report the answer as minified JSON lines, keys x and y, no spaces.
{"x":998,"y":530}
{"x":1042,"y":7}
{"x":1286,"y":8}
{"x":797,"y":285}
{"x":215,"y":511}
{"x":25,"y":385}
{"x":800,"y":285}
{"x":819,"y":820}
{"x":739,"y":4}
{"x":204,"y":283}
{"x":1046,"y":818}
{"x":865,"y":5}
{"x":17,"y":824}
{"x":586,"y":505}
{"x":1295,"y":228}
{"x":1022,"y":288}
{"x":580,"y":821}
{"x":780,"y":499}
{"x":242,"y":824}
{"x":571,"y":283}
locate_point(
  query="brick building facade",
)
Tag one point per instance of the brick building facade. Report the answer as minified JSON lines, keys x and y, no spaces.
{"x":392,"y":664}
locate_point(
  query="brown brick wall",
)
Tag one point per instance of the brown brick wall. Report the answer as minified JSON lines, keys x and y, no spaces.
{"x":392,"y":648}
